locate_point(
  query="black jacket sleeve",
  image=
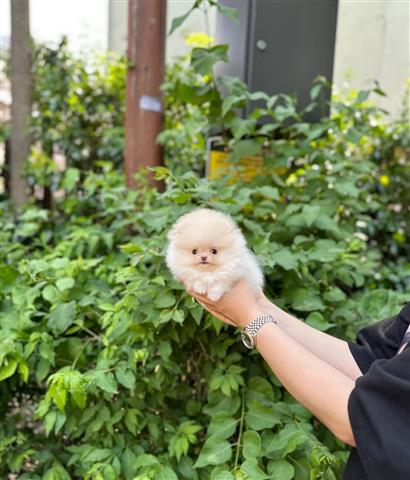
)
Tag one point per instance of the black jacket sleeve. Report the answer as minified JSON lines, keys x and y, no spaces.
{"x":380,"y":340}
{"x":379,"y":405}
{"x":379,"y":412}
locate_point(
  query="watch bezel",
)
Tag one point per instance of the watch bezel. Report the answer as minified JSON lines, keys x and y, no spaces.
{"x":247,"y":339}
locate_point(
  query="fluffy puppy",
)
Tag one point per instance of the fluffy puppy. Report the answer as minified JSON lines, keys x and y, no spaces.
{"x":207,"y":252}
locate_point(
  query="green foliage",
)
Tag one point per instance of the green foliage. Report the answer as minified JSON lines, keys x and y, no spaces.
{"x":108,"y":370}
{"x":78,"y":111}
{"x":185,"y":124}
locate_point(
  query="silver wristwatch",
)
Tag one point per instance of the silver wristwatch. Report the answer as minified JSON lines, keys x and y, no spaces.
{"x":249,"y":332}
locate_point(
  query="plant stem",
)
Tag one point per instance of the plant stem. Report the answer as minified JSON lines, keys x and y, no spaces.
{"x":93,"y":334}
{"x":80,"y":352}
{"x":238,"y":446}
{"x":207,"y":29}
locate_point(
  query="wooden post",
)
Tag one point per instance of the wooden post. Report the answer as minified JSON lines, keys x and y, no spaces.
{"x":21,"y":98}
{"x":146,"y":56}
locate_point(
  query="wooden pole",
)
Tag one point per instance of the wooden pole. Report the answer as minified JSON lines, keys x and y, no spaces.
{"x":146,"y":56}
{"x":21,"y":99}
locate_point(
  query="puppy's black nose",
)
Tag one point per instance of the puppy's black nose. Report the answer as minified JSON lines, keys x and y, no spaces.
{"x":203,"y":258}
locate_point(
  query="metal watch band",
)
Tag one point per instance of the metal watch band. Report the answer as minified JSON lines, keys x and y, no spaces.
{"x":249,"y":332}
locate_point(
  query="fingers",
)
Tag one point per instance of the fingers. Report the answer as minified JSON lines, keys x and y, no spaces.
{"x":217,"y":314}
{"x":207,"y":304}
{"x":200,"y":297}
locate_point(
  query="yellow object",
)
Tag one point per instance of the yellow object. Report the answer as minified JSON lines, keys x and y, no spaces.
{"x":384,"y":180}
{"x":199,"y":39}
{"x":244,"y":170}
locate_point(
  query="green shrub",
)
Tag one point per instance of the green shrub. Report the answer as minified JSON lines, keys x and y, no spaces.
{"x":185,"y":124}
{"x":78,"y":111}
{"x":109,"y":370}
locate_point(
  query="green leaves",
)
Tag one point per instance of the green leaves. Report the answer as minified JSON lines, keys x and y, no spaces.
{"x":325,"y":251}
{"x":184,"y":436}
{"x":89,"y":308}
{"x":7,"y":274}
{"x":67,"y":381}
{"x":227,"y":382}
{"x":285,"y":258}
{"x":287,"y":440}
{"x":310,"y":213}
{"x":269,"y":192}
{"x":71,"y":177}
{"x":316,"y":320}
{"x":230,"y":12}
{"x":281,"y":470}
{"x":51,"y":294}
{"x":125,"y":376}
{"x":214,"y":452}
{"x":222,"y":425}
{"x":219,"y":473}
{"x":251,"y":444}
{"x":8,"y":368}
{"x":178,"y":21}
{"x":164,"y":299}
{"x":251,"y":468}
{"x":65,"y":283}
{"x":203,"y":59}
{"x":380,"y":303}
{"x":244,"y":148}
{"x":305,"y":300}
{"x":62,"y":317}
{"x":104,"y":380}
{"x":260,"y":416}
{"x":56,"y":472}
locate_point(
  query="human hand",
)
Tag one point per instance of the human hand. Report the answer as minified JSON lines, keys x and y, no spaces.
{"x":237,"y":307}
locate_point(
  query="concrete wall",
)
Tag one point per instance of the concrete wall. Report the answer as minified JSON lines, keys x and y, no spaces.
{"x":372,"y":43}
{"x":117,"y":26}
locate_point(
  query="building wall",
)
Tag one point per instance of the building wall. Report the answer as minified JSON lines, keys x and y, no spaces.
{"x":117,"y":25}
{"x":196,"y":22}
{"x":372,"y":42}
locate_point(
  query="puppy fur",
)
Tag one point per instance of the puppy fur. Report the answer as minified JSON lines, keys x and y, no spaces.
{"x":207,"y":252}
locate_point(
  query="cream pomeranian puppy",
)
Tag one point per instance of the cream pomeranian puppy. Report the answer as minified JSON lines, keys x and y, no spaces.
{"x":207,"y":252}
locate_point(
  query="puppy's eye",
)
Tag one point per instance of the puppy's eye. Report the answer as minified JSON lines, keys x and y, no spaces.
{"x":194,"y":251}
{"x":214,"y":251}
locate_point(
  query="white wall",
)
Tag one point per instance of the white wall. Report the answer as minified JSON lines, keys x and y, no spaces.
{"x":372,"y":38}
{"x":196,"y":22}
{"x":117,"y":25}
{"x":372,"y":43}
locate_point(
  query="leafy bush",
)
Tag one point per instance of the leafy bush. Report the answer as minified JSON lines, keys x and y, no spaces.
{"x":78,"y":105}
{"x":78,"y":111}
{"x":185,"y":124}
{"x":108,"y":370}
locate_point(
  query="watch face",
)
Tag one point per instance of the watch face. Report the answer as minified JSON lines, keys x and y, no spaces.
{"x":247,"y":339}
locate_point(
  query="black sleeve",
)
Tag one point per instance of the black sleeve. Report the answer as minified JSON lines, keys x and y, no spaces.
{"x":379,"y":412}
{"x":380,"y":340}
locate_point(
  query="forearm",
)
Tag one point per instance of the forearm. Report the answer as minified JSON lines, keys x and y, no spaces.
{"x":317,"y":385}
{"x":331,"y":350}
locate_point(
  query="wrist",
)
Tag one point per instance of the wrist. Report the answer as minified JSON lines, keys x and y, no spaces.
{"x":250,"y":333}
{"x":269,"y":307}
{"x":251,"y":314}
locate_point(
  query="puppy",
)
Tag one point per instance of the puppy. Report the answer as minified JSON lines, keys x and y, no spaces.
{"x":207,"y":252}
